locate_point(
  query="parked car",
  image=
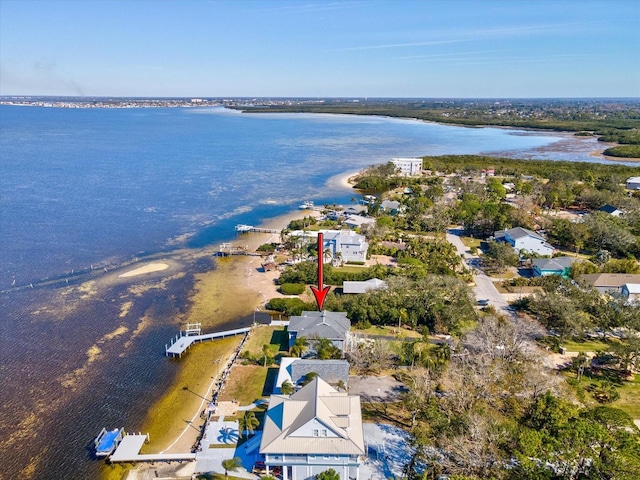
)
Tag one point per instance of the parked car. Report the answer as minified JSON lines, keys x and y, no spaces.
{"x":484,"y":302}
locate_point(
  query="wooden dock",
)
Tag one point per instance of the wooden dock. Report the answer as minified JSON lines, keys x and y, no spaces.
{"x":129,"y":451}
{"x":252,"y":229}
{"x":188,"y":337}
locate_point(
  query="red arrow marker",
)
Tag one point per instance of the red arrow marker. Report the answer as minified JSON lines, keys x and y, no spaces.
{"x":319,"y":292}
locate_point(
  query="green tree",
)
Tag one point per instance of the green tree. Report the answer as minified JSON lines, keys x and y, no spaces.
{"x":299,"y":347}
{"x":329,"y":474}
{"x":500,"y":254}
{"x":248,"y":423}
{"x":231,"y":464}
{"x":286,"y":388}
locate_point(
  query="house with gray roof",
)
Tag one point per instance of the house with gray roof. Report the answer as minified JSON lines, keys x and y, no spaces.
{"x":633,"y":183}
{"x":357,"y":221}
{"x":523,"y":240}
{"x":295,"y":370}
{"x":364,"y":286}
{"x":331,"y":325}
{"x":610,"y":282}
{"x":313,"y":430}
{"x":553,"y":266}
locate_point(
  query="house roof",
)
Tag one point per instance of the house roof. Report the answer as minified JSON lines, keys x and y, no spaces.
{"x":557,"y":263}
{"x":358,"y":220}
{"x":633,"y":180}
{"x":609,"y":209}
{"x":613,"y":280}
{"x":632,"y":288}
{"x":294,"y":369}
{"x":390,"y":204}
{"x":519,"y":232}
{"x":319,"y":404}
{"x":362,"y":287}
{"x":331,"y":325}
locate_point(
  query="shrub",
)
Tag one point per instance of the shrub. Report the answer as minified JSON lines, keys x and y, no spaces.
{"x":288,"y":306}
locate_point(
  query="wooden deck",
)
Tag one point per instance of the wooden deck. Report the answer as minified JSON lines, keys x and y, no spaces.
{"x":129,"y":451}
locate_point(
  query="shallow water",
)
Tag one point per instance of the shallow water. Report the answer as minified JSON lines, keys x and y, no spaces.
{"x":86,"y":191}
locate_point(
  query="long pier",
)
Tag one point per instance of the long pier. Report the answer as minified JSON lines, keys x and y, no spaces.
{"x":252,"y":229}
{"x":192,"y":334}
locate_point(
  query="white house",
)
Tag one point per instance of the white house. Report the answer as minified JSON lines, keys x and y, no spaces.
{"x":357,"y":221}
{"x":351,"y":246}
{"x":363,"y":286}
{"x":408,"y":166}
{"x":313,"y":430}
{"x":631,"y":291}
{"x":523,"y":240}
{"x":633,"y":183}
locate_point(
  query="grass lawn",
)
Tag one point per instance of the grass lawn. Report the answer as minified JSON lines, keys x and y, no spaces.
{"x":387,"y":330}
{"x":585,"y":346}
{"x":629,"y":400}
{"x":264,"y":334}
{"x":470,"y":242}
{"x":246,"y":384}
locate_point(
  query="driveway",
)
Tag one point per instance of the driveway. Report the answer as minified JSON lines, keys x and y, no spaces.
{"x":484,"y":288}
{"x":376,"y":389}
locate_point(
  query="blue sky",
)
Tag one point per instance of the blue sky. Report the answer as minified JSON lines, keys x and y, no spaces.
{"x":316,"y":48}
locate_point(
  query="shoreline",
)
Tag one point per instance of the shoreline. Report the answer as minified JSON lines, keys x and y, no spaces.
{"x":214,"y":300}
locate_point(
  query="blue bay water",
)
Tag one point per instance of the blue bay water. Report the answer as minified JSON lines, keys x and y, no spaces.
{"x":84,"y":189}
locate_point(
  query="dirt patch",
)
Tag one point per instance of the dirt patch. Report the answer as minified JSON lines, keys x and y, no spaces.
{"x":377,"y":389}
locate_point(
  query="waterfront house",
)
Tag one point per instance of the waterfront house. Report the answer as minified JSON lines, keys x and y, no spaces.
{"x":610,"y":282}
{"x":390,"y":206}
{"x":313,"y":430}
{"x":351,"y":246}
{"x":523,"y":240}
{"x":408,"y":166}
{"x":553,"y":266}
{"x":333,"y":326}
{"x":295,"y":370}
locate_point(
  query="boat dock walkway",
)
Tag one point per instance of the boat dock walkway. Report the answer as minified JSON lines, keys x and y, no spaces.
{"x":192,"y":334}
{"x":129,"y":451}
{"x":252,"y":229}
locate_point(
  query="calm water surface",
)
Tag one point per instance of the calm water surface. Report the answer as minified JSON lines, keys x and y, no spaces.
{"x":85,"y":191}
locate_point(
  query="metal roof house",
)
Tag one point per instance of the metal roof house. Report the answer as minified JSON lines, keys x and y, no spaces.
{"x":610,"y":282}
{"x":633,"y":183}
{"x":611,"y":210}
{"x":553,"y":266}
{"x":294,"y":370}
{"x":522,"y":239}
{"x":331,"y":325}
{"x":631,"y":291}
{"x":364,"y":286}
{"x":314,"y":429}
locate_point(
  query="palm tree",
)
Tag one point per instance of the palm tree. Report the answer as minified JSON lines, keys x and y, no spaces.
{"x":299,"y":347}
{"x":248,"y":422}
{"x":231,"y":464}
{"x":286,"y":388}
{"x":327,"y":254}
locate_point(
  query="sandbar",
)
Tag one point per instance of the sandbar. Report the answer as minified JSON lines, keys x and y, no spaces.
{"x":149,"y":268}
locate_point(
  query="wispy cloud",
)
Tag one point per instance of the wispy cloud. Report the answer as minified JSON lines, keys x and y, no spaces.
{"x":474,"y":35}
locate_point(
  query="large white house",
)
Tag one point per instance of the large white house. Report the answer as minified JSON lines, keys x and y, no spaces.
{"x":313,"y":430}
{"x":523,"y":240}
{"x":408,"y":166}
{"x":351,"y":246}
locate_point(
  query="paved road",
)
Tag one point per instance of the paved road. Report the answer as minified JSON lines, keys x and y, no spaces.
{"x":484,"y":287}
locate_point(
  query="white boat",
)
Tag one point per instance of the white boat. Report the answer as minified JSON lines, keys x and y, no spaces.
{"x":308,"y":205}
{"x":243,"y":228}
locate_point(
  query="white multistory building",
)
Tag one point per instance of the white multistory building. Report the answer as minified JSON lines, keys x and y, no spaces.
{"x":408,"y":166}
